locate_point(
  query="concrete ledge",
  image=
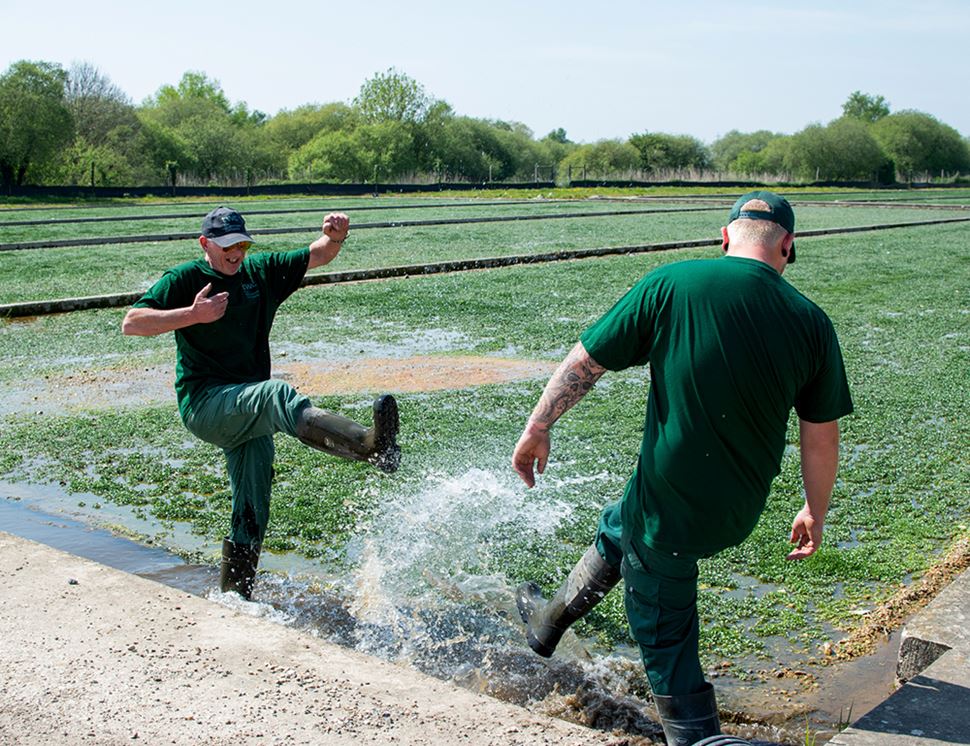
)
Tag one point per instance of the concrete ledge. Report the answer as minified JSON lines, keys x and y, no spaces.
{"x":932,"y":707}
{"x":942,"y":625}
{"x":94,"y":655}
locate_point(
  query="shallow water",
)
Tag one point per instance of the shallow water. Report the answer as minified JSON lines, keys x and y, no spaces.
{"x":455,"y":626}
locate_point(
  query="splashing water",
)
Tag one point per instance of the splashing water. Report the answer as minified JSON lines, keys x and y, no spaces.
{"x":420,"y":574}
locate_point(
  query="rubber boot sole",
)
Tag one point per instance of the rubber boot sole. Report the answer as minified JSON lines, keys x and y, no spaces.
{"x":529,"y":600}
{"x":387,"y":453}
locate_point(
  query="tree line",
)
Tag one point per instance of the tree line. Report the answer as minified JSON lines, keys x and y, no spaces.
{"x":75,"y":127}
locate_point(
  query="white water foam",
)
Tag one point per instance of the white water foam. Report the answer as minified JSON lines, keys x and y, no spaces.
{"x":426,"y":552}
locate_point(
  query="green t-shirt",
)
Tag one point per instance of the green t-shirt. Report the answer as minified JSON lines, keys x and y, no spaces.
{"x":732,"y":347}
{"x":235,"y":348}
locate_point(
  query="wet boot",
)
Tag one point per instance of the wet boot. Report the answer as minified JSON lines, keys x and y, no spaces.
{"x":238,"y":570}
{"x":588,"y":583}
{"x":340,"y":436}
{"x":689,"y":718}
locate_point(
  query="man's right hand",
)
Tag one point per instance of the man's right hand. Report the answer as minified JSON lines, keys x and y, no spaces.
{"x":531,"y":452}
{"x":205,"y":310}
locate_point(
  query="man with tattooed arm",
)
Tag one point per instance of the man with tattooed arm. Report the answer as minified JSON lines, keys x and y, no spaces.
{"x":732,"y":348}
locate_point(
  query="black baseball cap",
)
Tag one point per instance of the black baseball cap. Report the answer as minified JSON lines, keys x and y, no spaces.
{"x":225,"y":227}
{"x":779,"y":212}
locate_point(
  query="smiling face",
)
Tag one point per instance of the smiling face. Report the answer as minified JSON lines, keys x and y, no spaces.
{"x":227,"y":260}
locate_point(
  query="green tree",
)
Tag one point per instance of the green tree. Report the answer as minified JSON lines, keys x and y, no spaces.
{"x":725,"y":150}
{"x":660,"y":151}
{"x":194,"y":93}
{"x":386,"y":149}
{"x":109,"y":164}
{"x":330,"y":156}
{"x":429,"y":137}
{"x":212,"y":145}
{"x":381,"y":151}
{"x":553,"y":148}
{"x":769,"y":160}
{"x":215,"y":141}
{"x":35,"y":122}
{"x":558,"y":135}
{"x":392,"y":95}
{"x":919,"y":144}
{"x":867,"y":108}
{"x":292,"y":130}
{"x":163,"y":148}
{"x":842,"y":150}
{"x":601,"y":159}
{"x":468,"y":149}
{"x":464,"y":148}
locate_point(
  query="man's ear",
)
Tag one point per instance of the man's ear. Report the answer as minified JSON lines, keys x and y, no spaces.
{"x":202,"y":242}
{"x":724,"y":238}
{"x":786,"y":243}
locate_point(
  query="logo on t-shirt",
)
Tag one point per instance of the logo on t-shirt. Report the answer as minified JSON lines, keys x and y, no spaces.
{"x":250,"y":290}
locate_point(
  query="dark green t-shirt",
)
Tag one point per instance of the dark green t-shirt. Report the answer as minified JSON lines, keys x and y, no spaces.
{"x":235,"y":348}
{"x":732,"y":347}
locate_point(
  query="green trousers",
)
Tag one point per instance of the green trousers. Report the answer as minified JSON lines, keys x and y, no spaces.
{"x":241,"y":419}
{"x":661,"y":606}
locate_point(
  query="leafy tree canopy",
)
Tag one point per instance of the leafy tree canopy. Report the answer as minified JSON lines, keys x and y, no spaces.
{"x":842,"y":150}
{"x":558,"y":135}
{"x":392,"y":95}
{"x":725,"y":150}
{"x":35,"y":122}
{"x":918,"y":143}
{"x":601,"y":158}
{"x":659,"y":151}
{"x":862,"y":106}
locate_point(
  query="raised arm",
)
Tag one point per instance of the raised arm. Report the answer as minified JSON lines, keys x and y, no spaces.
{"x":335,"y":228}
{"x":820,"y":462}
{"x":148,"y":322}
{"x":574,"y":377}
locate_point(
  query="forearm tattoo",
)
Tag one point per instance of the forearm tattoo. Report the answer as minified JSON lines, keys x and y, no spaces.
{"x":572,"y":380}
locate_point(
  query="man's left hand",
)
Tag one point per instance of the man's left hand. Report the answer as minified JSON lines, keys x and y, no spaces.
{"x":806,"y":534}
{"x":531,"y":453}
{"x":336,"y":226}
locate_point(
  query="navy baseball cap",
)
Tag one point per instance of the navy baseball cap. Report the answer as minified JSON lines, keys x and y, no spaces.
{"x":225,"y":227}
{"x":779,"y":212}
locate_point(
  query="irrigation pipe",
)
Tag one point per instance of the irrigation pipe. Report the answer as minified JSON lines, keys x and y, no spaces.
{"x":45,"y":307}
{"x":26,"y":245}
{"x":795,"y":203}
{"x":708,"y":199}
{"x":294,"y":211}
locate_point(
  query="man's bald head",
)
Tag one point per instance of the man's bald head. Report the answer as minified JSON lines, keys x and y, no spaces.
{"x":754,"y":232}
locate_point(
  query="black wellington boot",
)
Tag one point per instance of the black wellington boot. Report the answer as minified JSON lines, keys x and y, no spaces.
{"x":689,"y":718}
{"x":588,"y":583}
{"x":238,"y":570}
{"x":340,"y":436}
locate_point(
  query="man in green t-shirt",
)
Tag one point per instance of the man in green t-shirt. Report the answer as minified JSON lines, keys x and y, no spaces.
{"x":732,"y":348}
{"x":221,"y":308}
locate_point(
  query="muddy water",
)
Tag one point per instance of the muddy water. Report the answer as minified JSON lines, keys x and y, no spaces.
{"x":464,"y":628}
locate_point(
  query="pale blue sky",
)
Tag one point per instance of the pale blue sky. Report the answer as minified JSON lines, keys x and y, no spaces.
{"x":599,"y":70}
